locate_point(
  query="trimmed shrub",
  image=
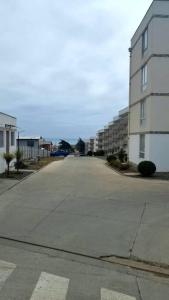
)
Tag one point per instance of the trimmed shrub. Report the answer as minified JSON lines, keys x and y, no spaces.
{"x":146,"y":168}
{"x":111,"y":158}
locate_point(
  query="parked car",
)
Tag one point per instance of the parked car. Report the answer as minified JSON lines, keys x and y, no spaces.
{"x":59,"y":153}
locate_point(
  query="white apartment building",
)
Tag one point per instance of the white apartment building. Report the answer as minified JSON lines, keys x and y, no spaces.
{"x":149,"y":88}
{"x":7,"y":137}
{"x":114,"y":136}
{"x":91,"y":145}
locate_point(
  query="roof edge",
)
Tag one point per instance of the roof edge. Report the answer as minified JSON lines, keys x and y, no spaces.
{"x":1,"y":113}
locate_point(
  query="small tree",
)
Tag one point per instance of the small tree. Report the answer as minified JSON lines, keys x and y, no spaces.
{"x":80,"y":146}
{"x":64,"y":145}
{"x":8,"y":158}
{"x":18,"y":155}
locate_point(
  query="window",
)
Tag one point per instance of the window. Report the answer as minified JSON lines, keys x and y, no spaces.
{"x":1,"y":139}
{"x":144,"y":77}
{"x":142,"y":111}
{"x":144,"y":40}
{"x":12,"y":138}
{"x":30,"y":143}
{"x":142,"y":146}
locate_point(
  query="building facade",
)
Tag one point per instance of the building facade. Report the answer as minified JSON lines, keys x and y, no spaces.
{"x":7,"y":137}
{"x":149,"y":88}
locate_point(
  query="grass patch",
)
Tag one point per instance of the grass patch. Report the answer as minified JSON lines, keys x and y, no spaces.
{"x":15,"y":175}
{"x":37,"y":165}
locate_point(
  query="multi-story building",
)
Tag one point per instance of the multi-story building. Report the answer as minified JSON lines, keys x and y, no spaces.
{"x":100,"y":139}
{"x":114,"y":136}
{"x":106,"y":139}
{"x":7,"y":137}
{"x":123,"y":129}
{"x":149,"y":88}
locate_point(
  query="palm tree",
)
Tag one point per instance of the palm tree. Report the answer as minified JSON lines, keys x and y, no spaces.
{"x":8,"y":158}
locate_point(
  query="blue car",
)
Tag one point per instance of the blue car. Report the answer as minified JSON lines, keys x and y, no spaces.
{"x":59,"y":153}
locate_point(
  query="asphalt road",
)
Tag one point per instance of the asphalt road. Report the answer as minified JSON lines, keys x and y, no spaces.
{"x":56,"y":226}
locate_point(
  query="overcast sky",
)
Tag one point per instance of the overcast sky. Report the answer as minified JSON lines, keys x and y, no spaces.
{"x":64,"y":63}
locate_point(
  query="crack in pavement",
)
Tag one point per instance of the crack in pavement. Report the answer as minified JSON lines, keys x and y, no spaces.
{"x":138,"y":228}
{"x":138,"y":287}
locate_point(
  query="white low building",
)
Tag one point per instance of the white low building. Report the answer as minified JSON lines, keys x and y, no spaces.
{"x":32,"y":147}
{"x":7,"y":137}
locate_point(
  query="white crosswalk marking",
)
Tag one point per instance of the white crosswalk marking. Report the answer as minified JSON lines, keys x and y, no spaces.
{"x":6,"y":269}
{"x":50,"y":287}
{"x":111,"y":295}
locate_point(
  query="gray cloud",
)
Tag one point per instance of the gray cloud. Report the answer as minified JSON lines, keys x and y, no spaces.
{"x":64,"y":64}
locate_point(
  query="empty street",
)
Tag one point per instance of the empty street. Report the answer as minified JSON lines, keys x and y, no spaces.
{"x":61,"y":227}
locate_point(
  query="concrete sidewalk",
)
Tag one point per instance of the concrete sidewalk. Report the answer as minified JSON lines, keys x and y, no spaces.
{"x":80,"y":205}
{"x":6,"y":184}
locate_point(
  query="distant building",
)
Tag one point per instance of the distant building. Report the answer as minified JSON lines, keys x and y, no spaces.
{"x":91,"y":145}
{"x":120,"y":131}
{"x":31,"y":147}
{"x":149,"y":88}
{"x":47,"y":145}
{"x":95,"y":144}
{"x":7,"y":137}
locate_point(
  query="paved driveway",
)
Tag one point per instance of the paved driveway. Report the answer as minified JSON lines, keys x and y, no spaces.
{"x":81,"y":205}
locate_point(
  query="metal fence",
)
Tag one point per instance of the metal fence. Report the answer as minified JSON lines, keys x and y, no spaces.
{"x":33,"y":153}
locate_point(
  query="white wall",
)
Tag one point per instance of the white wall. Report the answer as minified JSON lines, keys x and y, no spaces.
{"x":134,"y":144}
{"x":156,"y":150}
{"x":159,"y":149}
{"x":12,"y":149}
{"x":6,"y":120}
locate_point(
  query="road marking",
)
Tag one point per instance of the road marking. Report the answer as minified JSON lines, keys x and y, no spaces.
{"x":50,"y":287}
{"x":6,"y":269}
{"x":111,"y":295}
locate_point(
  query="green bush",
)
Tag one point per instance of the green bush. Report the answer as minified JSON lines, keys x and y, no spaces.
{"x":111,"y":158}
{"x":90,"y":153}
{"x":147,"y":168}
